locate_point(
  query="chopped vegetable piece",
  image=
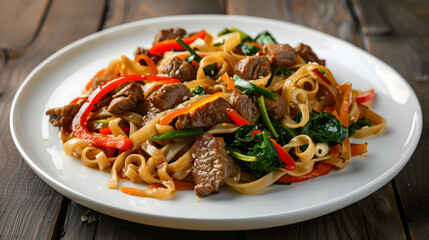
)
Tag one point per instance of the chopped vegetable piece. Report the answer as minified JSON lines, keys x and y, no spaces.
{"x":161,"y":47}
{"x":167,"y":119}
{"x":183,"y":133}
{"x":237,"y":155}
{"x":265,"y":38}
{"x":325,"y":127}
{"x":346,"y":90}
{"x":250,"y":49}
{"x":229,"y":82}
{"x":316,"y":71}
{"x":265,"y":117}
{"x":211,"y":70}
{"x":149,"y":62}
{"x":318,"y":170}
{"x":358,"y":125}
{"x":248,"y":87}
{"x":220,"y":43}
{"x":236,"y":118}
{"x":366,"y":98}
{"x":284,"y":156}
{"x":193,"y":56}
{"x":199,"y":91}
{"x":244,"y":37}
{"x":358,"y":149}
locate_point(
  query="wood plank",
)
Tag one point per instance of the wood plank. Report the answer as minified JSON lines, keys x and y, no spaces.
{"x":18,"y":32}
{"x":406,"y":49}
{"x":121,"y":11}
{"x":356,"y":221}
{"x":29,"y":207}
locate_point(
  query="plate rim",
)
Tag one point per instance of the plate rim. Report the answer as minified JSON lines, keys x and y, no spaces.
{"x":209,"y":223}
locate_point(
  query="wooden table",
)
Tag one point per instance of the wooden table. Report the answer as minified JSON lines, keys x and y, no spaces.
{"x":395,"y":31}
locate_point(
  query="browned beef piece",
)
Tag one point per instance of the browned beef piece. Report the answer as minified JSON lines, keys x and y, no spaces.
{"x":254,"y":67}
{"x":182,"y":70}
{"x":169,"y":95}
{"x":276,"y":109}
{"x":140,"y":50}
{"x":206,"y":116}
{"x":246,"y":107}
{"x":170,"y":33}
{"x":280,"y":55}
{"x":212,"y":165}
{"x":308,"y":55}
{"x":126,"y":99}
{"x":63,"y":116}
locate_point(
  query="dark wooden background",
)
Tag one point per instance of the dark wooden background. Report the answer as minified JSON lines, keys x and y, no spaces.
{"x":30,"y":30}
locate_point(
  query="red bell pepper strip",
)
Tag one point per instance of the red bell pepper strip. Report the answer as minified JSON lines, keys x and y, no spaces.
{"x":161,"y":47}
{"x":236,"y":118}
{"x":169,"y":117}
{"x":108,"y":131}
{"x":366,"y":98}
{"x":79,"y":121}
{"x":316,"y":71}
{"x":283,"y":155}
{"x":318,"y":170}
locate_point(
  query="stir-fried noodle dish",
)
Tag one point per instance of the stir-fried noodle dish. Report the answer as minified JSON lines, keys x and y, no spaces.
{"x":197,"y":111}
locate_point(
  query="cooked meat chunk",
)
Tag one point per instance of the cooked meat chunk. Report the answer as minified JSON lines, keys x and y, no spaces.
{"x":254,"y":67}
{"x":246,"y":107}
{"x":170,"y":33}
{"x":169,"y":95}
{"x":308,"y":55}
{"x":182,"y":70}
{"x":205,"y":116}
{"x":212,"y":165}
{"x":280,"y":55}
{"x":126,"y":99}
{"x":276,"y":109}
{"x":63,"y":116}
{"x":140,"y":50}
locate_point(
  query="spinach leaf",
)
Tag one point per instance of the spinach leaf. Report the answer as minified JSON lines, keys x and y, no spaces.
{"x":211,"y":70}
{"x":249,"y":49}
{"x":199,"y":91}
{"x":285,"y":134}
{"x":265,"y":38}
{"x":259,"y":146}
{"x":324,"y":127}
{"x":358,"y":125}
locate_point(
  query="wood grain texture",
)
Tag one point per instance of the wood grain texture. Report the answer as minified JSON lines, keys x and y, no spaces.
{"x":29,"y":207}
{"x":329,"y":16}
{"x":18,"y":32}
{"x":406,"y":48}
{"x":122,"y":11}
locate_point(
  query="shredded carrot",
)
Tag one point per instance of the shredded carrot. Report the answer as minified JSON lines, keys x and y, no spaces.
{"x":229,"y":82}
{"x":179,"y":185}
{"x":167,"y":119}
{"x":132,"y":191}
{"x":149,"y":62}
{"x":359,"y":149}
{"x":346,"y":90}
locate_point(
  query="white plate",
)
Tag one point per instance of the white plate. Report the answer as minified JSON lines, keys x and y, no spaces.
{"x":61,"y":77}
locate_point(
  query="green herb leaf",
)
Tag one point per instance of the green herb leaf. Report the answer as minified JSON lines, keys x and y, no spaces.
{"x":324,"y":127}
{"x":285,"y":134}
{"x":199,"y":91}
{"x":193,"y":56}
{"x":211,"y":70}
{"x":247,"y":88}
{"x":265,"y":38}
{"x":358,"y":125}
{"x":249,"y":49}
{"x":178,"y":134}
